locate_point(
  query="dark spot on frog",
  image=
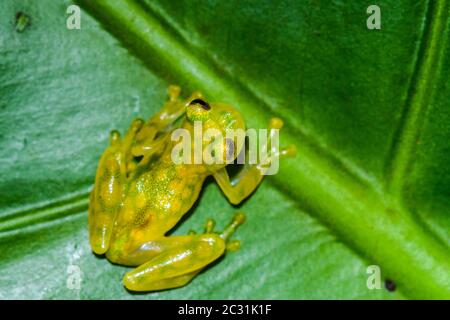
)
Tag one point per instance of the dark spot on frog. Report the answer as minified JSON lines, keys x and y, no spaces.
{"x":390,"y":285}
{"x":204,"y":104}
{"x":22,"y":21}
{"x":141,"y":218}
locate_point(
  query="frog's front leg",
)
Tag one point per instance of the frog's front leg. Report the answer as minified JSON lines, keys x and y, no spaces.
{"x":107,"y":196}
{"x":174,"y":261}
{"x":153,"y":135}
{"x":251,"y":175}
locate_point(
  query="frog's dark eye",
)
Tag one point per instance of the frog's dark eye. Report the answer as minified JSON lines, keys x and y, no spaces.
{"x":204,"y":104}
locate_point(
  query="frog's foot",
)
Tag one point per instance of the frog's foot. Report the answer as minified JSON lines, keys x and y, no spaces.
{"x":181,"y":258}
{"x":231,"y":245}
{"x":289,"y":151}
{"x":271,"y":152}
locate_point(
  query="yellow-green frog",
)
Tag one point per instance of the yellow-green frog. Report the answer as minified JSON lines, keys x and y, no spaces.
{"x":140,"y":193}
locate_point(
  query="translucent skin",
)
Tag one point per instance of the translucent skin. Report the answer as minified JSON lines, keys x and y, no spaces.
{"x":140,"y":194}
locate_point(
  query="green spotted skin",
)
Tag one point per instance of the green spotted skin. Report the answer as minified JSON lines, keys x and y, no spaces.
{"x":154,"y":203}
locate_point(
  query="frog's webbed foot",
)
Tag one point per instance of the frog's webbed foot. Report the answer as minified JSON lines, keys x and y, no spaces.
{"x":174,"y":261}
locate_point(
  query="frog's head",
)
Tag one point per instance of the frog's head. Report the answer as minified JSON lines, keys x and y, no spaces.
{"x":218,"y":119}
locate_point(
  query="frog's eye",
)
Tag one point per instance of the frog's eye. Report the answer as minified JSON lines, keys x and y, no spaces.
{"x":198,"y":110}
{"x":205,"y":105}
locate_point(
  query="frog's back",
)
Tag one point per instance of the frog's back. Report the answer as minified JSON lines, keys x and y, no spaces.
{"x":156,"y":201}
{"x":166,"y":190}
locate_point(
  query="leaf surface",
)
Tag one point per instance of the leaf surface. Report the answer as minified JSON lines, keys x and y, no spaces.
{"x":367,"y":110}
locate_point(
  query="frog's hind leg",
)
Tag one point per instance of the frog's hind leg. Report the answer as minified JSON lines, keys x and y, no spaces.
{"x":178,"y":263}
{"x":106,"y":197}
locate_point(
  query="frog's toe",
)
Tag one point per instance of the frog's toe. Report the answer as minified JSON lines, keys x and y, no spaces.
{"x":233,"y":245}
{"x":114,"y":138}
{"x":276,"y":123}
{"x":288,"y":152}
{"x":173,"y":92}
{"x":238,"y":219}
{"x":209,"y":226}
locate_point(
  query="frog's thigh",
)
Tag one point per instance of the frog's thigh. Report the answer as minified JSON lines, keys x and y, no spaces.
{"x":176,"y":266}
{"x":106,"y":196}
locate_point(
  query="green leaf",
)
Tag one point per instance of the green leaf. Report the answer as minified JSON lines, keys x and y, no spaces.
{"x":367,"y":110}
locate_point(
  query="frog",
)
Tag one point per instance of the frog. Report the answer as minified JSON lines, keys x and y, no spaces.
{"x":140,"y":194}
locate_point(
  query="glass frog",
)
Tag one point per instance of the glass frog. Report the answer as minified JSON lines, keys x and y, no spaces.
{"x":140,"y":194}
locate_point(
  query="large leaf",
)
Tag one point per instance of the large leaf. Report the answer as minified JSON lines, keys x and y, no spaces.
{"x":367,"y":110}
